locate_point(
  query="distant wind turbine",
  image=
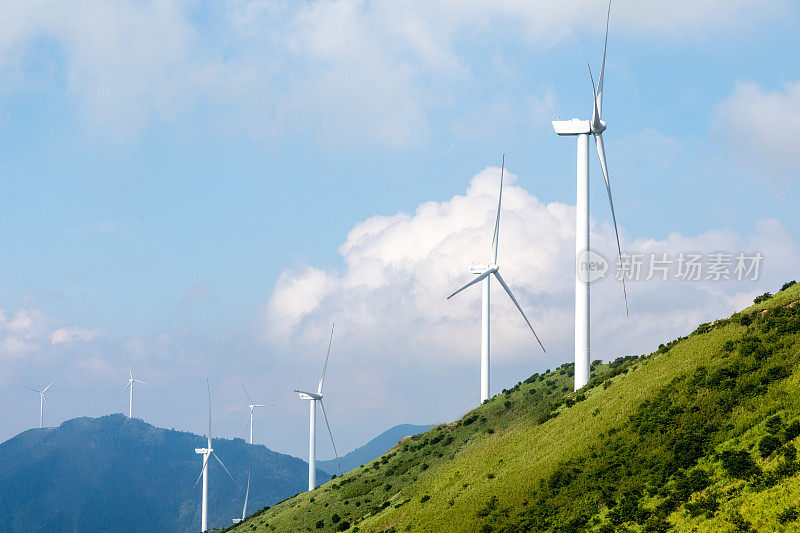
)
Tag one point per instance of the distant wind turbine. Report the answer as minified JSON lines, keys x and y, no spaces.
{"x":246,"y":494}
{"x":316,"y":397}
{"x":252,"y":406}
{"x":207,"y":453}
{"x":583,"y":264}
{"x":129,"y":387}
{"x":42,"y":401}
{"x":484,"y":273}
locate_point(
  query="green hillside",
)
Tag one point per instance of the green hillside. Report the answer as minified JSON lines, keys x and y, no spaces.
{"x":699,"y":435}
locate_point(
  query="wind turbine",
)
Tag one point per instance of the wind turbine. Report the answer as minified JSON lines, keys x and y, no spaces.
{"x":131,"y":381}
{"x":207,"y":453}
{"x":246,"y":494}
{"x":42,"y":401}
{"x":252,"y":406}
{"x":583,"y":263}
{"x":484,"y":273}
{"x":316,"y":397}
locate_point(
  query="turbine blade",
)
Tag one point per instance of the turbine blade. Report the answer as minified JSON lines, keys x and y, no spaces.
{"x":496,"y":235}
{"x":595,"y":111}
{"x":325,"y":416}
{"x":31,"y":388}
{"x":202,"y":470}
{"x":325,"y":366}
{"x":247,"y":425}
{"x":208,"y":385}
{"x":126,"y":387}
{"x":601,"y":152}
{"x":249,"y":399}
{"x":51,"y":384}
{"x":599,"y":97}
{"x":223,"y":466}
{"x":471,"y":283}
{"x":508,"y":290}
{"x":246,"y":494}
{"x":142,"y":382}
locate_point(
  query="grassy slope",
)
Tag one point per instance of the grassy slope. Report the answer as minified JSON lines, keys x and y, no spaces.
{"x":491,"y":470}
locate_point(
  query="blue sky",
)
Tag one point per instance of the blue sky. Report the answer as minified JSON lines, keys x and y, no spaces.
{"x":170,"y":169}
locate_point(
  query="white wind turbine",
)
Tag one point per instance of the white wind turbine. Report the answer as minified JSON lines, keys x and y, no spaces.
{"x":42,"y":401}
{"x":207,"y":453}
{"x":129,"y":387}
{"x":246,"y":494}
{"x":484,"y":273}
{"x":583,"y":263}
{"x":252,"y":406}
{"x":316,"y":397}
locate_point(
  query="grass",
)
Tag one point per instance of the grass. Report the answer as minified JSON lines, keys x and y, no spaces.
{"x":619,"y":455}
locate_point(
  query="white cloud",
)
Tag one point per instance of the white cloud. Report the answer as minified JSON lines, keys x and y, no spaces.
{"x":68,"y":335}
{"x":339,"y":70}
{"x":390,"y":298}
{"x":754,"y":121}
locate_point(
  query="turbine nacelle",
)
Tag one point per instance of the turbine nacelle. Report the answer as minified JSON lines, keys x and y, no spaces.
{"x":577,"y":126}
{"x":203,"y":450}
{"x":308,"y":395}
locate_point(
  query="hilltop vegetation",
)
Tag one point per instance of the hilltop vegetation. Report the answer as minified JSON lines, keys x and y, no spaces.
{"x":700,"y":435}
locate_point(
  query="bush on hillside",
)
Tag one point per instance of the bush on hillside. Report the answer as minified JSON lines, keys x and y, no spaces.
{"x":774,"y":424}
{"x":788,"y":284}
{"x":793,"y":430}
{"x":768,"y":444}
{"x":739,"y":464}
{"x":763,"y":298}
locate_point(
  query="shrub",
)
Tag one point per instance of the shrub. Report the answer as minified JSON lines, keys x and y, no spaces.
{"x":790,"y":514}
{"x":763,"y":298}
{"x":424,"y":499}
{"x":490,"y":476}
{"x":788,"y":284}
{"x":768,"y":444}
{"x":344,"y":525}
{"x":774,"y":424}
{"x":739,"y":464}
{"x":790,"y":452}
{"x":335,"y":518}
{"x":320,"y":524}
{"x":793,"y":430}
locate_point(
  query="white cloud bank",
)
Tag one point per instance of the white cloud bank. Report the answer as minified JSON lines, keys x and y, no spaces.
{"x":389,"y":300}
{"x":340,"y":69}
{"x":754,"y":123}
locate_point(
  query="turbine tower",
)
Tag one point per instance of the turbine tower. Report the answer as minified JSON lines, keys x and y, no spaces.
{"x":131,"y":381}
{"x":246,"y":494}
{"x":583,"y":264}
{"x":484,"y":273}
{"x":42,"y":401}
{"x":316,"y":397}
{"x":207,"y":453}
{"x":252,"y":406}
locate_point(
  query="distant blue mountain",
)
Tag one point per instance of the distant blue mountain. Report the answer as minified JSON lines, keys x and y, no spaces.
{"x":116,"y":474}
{"x":373,"y":449}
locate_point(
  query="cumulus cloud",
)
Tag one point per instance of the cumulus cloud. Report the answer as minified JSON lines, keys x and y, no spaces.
{"x":26,"y":332}
{"x":341,"y":70}
{"x":68,"y":335}
{"x":752,"y":122}
{"x":389,"y":300}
